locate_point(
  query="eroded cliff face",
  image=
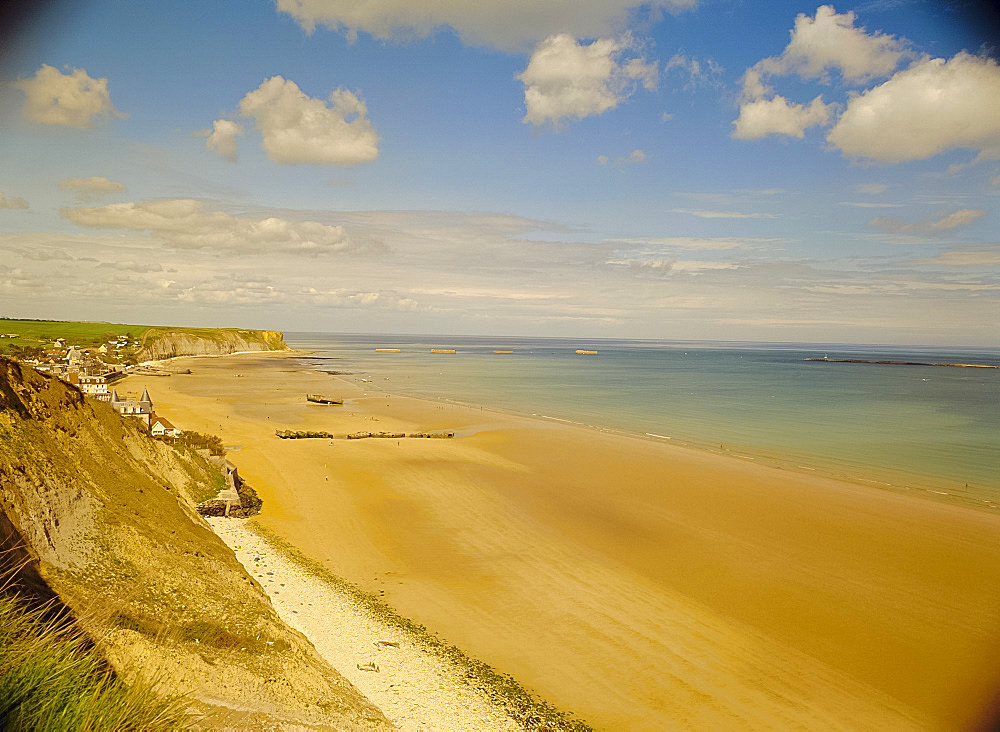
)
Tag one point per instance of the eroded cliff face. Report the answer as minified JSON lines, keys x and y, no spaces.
{"x":159,"y":344}
{"x":107,"y":514}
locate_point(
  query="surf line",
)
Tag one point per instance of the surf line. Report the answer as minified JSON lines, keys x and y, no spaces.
{"x":557,"y":419}
{"x":662,"y":437}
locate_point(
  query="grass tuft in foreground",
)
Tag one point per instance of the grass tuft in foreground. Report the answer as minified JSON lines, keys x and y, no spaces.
{"x":51,"y":678}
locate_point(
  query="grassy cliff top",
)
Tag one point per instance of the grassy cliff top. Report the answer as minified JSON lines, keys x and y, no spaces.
{"x":43,"y":333}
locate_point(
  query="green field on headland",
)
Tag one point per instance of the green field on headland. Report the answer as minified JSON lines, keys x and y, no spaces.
{"x":43,"y":333}
{"x":29,"y":337}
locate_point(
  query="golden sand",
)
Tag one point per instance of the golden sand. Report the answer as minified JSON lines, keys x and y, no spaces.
{"x":637,"y":583}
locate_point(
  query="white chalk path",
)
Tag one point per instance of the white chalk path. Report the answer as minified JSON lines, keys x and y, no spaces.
{"x":414,"y":688}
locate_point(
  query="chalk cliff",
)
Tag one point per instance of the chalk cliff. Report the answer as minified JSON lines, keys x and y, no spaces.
{"x":105,"y":516}
{"x":160,"y":343}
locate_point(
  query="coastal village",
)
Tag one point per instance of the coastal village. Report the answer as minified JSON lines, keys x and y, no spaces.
{"x":95,"y":371}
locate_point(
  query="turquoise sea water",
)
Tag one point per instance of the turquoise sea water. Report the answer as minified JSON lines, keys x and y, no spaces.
{"x":908,"y":427}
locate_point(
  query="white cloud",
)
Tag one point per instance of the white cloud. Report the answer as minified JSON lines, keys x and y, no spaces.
{"x":12,"y":202}
{"x":88,"y":189}
{"x":186,"y":223}
{"x":661,"y":267}
{"x":872,"y":188}
{"x":72,"y":100}
{"x":301,"y":129}
{"x":132,"y":266}
{"x":505,"y":24}
{"x":633,"y":158}
{"x":968,"y":258}
{"x":222,"y":139}
{"x":830,"y":41}
{"x":567,"y":79}
{"x":696,"y":266}
{"x":382,"y":300}
{"x":778,"y":116}
{"x":933,"y":106}
{"x":702,"y":214}
{"x":689,"y":242}
{"x":645,"y":266}
{"x":707,"y":73}
{"x":954,"y":220}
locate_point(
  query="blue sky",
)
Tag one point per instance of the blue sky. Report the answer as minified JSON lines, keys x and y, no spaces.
{"x":721,"y":170}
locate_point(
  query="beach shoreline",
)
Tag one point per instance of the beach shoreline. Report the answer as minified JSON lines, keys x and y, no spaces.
{"x":397,"y":670}
{"x":950,"y":484}
{"x":664,"y":601}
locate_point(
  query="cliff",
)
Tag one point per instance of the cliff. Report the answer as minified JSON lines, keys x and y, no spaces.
{"x":103,"y":515}
{"x":160,"y":343}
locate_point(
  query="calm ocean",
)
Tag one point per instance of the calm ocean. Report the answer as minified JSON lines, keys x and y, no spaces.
{"x":911,"y":427}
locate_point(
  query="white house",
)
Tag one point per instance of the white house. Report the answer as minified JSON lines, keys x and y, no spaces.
{"x":97,"y":386}
{"x":160,"y":427}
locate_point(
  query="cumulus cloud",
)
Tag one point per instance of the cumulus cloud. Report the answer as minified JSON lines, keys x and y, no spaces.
{"x":72,"y":100}
{"x":88,"y":189}
{"x":506,"y":24}
{"x":12,"y":202}
{"x":222,"y":139}
{"x":778,"y":116}
{"x":297,"y":128}
{"x":933,"y":106}
{"x":185,"y":223}
{"x":829,"y":41}
{"x":954,"y":220}
{"x":568,"y":79}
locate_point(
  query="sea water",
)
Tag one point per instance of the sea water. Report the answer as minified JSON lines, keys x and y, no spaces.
{"x":921,"y":428}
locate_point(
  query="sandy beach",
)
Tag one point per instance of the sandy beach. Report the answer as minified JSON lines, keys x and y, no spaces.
{"x":638,"y":584}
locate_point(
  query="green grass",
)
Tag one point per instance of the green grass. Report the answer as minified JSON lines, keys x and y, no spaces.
{"x":527,"y":709}
{"x":52,"y":678}
{"x":44,"y":332}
